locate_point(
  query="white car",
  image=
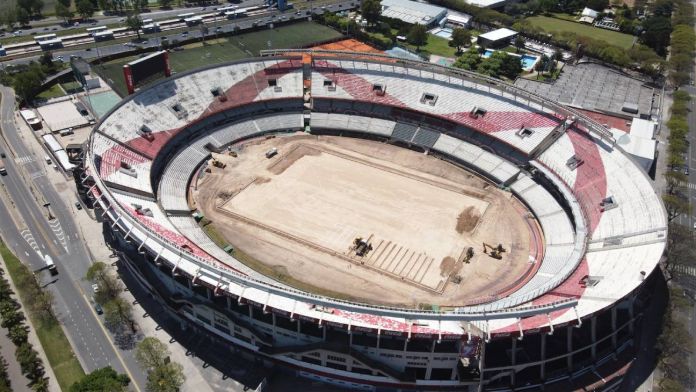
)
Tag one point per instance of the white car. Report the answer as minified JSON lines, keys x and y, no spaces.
{"x":95,"y":288}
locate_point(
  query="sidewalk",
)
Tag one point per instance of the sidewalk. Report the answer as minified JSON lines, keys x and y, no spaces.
{"x":34,"y":340}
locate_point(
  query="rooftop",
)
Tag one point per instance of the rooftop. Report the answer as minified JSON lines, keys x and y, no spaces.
{"x":499,"y":34}
{"x":412,"y":11}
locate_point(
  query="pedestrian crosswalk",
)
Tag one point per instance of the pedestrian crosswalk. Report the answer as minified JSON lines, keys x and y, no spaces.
{"x":684,"y":269}
{"x":24,"y":160}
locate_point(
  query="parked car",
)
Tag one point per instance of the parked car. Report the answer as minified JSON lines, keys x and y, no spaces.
{"x":95,"y":288}
{"x":98,"y":308}
{"x":78,"y":205}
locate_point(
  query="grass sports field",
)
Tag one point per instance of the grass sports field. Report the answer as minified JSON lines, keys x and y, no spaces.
{"x":553,"y":25}
{"x":227,"y":49}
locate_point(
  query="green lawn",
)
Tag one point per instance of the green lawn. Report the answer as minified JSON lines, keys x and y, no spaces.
{"x":227,"y":49}
{"x":552,"y":25}
{"x":56,"y":346}
{"x":52,"y":92}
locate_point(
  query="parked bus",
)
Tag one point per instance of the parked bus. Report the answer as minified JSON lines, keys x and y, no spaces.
{"x":183,"y":17}
{"x":94,"y":30}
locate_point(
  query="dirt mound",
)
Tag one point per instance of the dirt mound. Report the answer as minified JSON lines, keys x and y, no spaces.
{"x":467,"y":220}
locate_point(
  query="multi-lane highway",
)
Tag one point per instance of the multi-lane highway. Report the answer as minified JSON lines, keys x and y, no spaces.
{"x":26,"y":189}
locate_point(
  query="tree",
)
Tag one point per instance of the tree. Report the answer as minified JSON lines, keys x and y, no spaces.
{"x":26,"y":84}
{"x":656,"y":32}
{"x":23,"y":16}
{"x":469,"y":60}
{"x":109,"y":286}
{"x":135,"y":23}
{"x":166,"y":378}
{"x":85,"y":8}
{"x":9,"y":17}
{"x":675,"y":180}
{"x":29,"y":361}
{"x":151,"y":353}
{"x":118,"y":313}
{"x":371,"y":11}
{"x":519,"y":43}
{"x":675,"y":206}
{"x":460,"y":37}
{"x":102,"y":380}
{"x":18,"y":334}
{"x":63,"y":12}
{"x":165,"y":3}
{"x":418,"y":35}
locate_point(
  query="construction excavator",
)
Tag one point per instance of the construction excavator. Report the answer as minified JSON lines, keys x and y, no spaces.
{"x":361,"y":246}
{"x":468,"y":255}
{"x":495,"y":251}
{"x":219,"y":164}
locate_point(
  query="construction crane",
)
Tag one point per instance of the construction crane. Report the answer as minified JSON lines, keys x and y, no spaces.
{"x":495,"y":251}
{"x":361,"y":246}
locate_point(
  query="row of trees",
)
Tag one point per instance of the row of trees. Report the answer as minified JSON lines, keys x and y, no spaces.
{"x":499,"y":64}
{"x":163,"y":375}
{"x":118,"y":312}
{"x":674,"y":345}
{"x":675,"y":198}
{"x":17,"y":331}
{"x":5,"y":382}
{"x":84,"y":8}
{"x":682,"y":43}
{"x":101,"y":380}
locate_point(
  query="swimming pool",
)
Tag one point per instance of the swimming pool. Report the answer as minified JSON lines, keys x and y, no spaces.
{"x":101,"y":103}
{"x":527,"y":60}
{"x":444,"y":32}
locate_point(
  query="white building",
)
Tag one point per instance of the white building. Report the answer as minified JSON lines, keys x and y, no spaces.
{"x":413,"y":12}
{"x":639,"y":142}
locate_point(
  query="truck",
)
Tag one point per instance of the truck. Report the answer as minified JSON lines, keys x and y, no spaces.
{"x":50,"y":265}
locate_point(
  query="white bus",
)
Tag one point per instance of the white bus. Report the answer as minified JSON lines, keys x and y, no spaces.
{"x":50,"y":265}
{"x":222,"y":10}
{"x":236,"y":13}
{"x":182,"y":17}
{"x":94,"y":30}
{"x":147,"y":21}
{"x":46,"y":37}
{"x":194,"y":20}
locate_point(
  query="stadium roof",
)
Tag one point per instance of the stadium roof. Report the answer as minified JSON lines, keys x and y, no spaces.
{"x":412,"y":12}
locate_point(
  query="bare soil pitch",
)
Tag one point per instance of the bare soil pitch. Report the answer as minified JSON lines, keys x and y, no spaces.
{"x":301,"y":210}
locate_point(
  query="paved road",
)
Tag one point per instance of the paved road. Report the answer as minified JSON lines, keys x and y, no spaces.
{"x":101,"y":20}
{"x":58,"y":238}
{"x":105,"y":48}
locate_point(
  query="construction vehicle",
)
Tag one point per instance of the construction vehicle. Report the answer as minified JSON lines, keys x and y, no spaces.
{"x":361,"y":246}
{"x":469,"y":255}
{"x":50,"y":265}
{"x":219,"y":164}
{"x":271,"y":153}
{"x":495,"y":251}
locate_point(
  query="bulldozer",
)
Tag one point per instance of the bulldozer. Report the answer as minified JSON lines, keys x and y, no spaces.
{"x":495,"y":251}
{"x":361,"y":246}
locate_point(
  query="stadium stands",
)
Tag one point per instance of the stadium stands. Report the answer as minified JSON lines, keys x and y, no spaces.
{"x":603,"y":225}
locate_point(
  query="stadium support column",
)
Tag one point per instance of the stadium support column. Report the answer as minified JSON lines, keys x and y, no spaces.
{"x":542,"y":365}
{"x":613,"y":327}
{"x":128,"y":75}
{"x":167,"y":67}
{"x":513,"y":361}
{"x":593,"y":332}
{"x":569,"y":347}
{"x":482,"y":366}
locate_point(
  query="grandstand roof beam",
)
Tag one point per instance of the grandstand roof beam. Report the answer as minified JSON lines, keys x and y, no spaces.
{"x":519,"y":325}
{"x":577,"y":316}
{"x":548,"y":317}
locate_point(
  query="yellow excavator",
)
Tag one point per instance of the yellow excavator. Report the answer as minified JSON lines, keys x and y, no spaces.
{"x":495,"y":251}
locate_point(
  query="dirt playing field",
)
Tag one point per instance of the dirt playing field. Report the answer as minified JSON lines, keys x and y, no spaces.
{"x":302,"y":210}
